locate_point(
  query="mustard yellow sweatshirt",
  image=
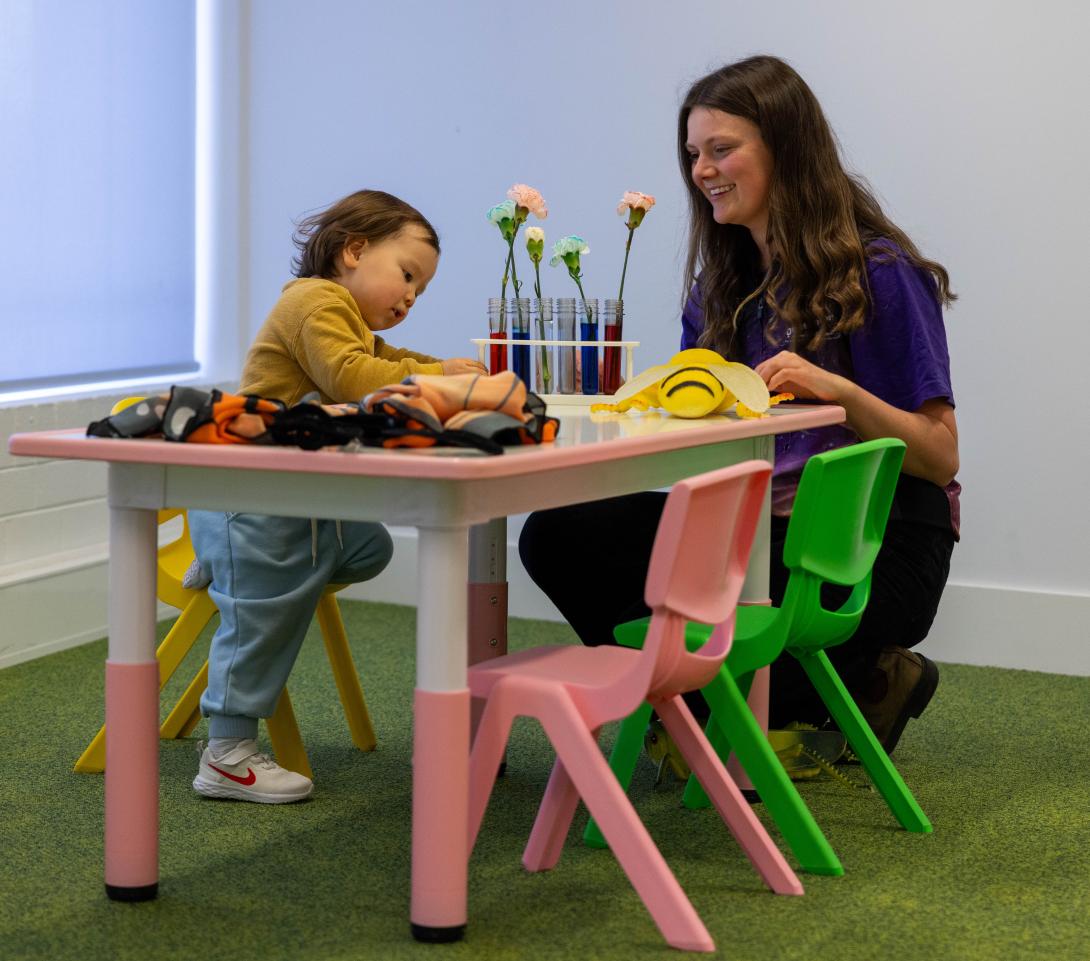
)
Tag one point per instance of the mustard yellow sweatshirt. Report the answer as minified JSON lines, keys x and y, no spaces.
{"x":315,"y":339}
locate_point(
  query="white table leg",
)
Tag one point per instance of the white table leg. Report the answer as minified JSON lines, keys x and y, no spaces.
{"x":132,"y":710}
{"x":756,"y":591}
{"x":440,"y":739}
{"x":487,"y":597}
{"x":487,"y":590}
{"x":755,"y":588}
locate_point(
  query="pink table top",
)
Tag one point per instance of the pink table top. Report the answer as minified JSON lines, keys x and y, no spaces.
{"x":584,"y":438}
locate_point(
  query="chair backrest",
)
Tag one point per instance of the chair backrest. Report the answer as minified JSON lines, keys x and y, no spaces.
{"x":836,"y":530}
{"x":698,"y":565}
{"x":172,"y":562}
{"x":840,"y":511}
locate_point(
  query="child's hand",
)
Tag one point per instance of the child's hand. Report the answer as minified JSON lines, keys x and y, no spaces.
{"x":463,"y":365}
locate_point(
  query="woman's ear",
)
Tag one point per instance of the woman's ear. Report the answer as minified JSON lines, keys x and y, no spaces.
{"x":350,"y":255}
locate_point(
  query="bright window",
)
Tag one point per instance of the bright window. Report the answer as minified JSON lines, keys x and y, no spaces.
{"x":97,"y":100}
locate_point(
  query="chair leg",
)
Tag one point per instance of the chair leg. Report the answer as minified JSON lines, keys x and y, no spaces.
{"x":693,"y":796}
{"x":622,"y":760}
{"x":183,"y":633}
{"x":729,"y":712}
{"x":727,"y":799}
{"x":170,"y":653}
{"x":286,"y":742}
{"x":625,"y":833}
{"x":93,"y":758}
{"x":871,"y":755}
{"x":345,"y":674}
{"x":553,"y":821}
{"x":485,"y":758}
{"x":186,"y":714}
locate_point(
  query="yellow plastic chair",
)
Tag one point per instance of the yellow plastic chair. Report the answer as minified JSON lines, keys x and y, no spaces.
{"x":197,"y":609}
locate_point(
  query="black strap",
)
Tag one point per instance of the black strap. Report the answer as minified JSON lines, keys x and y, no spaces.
{"x":310,"y":427}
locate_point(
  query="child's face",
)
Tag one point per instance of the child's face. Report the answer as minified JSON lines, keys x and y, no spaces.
{"x":731,"y":166}
{"x":386,"y":277}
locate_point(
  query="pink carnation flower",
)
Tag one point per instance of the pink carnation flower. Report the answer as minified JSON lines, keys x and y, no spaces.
{"x":636,"y":206}
{"x":531,"y":199}
{"x":634,"y":200}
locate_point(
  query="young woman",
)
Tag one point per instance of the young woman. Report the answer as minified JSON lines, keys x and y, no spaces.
{"x":794,"y":269}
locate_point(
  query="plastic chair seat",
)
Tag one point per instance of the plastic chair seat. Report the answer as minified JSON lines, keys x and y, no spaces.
{"x":752,"y":620}
{"x":755,"y":625}
{"x":585,"y":667}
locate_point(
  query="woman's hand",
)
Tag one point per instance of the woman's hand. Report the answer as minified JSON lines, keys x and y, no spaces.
{"x":787,"y":371}
{"x":930,"y":433}
{"x":463,"y":365}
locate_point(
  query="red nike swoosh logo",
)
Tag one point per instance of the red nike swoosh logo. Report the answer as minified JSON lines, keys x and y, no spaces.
{"x":244,"y":781}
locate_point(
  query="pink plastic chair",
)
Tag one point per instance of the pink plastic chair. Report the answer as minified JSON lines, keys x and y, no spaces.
{"x":697,"y":567}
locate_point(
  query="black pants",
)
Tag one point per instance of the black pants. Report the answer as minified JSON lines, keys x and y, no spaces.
{"x":591,"y":561}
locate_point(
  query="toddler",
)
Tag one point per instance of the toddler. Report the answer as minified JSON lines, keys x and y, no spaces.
{"x":362,"y":264}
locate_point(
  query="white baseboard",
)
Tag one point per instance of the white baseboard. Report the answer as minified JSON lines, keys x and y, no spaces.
{"x":53,"y":604}
{"x":62,"y":605}
{"x":1006,"y":627}
{"x":52,"y":607}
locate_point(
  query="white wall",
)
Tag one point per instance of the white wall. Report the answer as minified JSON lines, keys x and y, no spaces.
{"x":967,"y":118}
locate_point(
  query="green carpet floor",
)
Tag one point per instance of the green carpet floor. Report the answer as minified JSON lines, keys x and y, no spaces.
{"x":998,"y":762}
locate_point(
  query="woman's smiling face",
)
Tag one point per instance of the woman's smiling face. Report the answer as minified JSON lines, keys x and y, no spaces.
{"x":732,"y":167}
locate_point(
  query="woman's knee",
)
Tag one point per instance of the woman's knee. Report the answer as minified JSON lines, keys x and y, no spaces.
{"x":533,"y":541}
{"x":546,"y":541}
{"x":595,"y":530}
{"x":909,"y":578}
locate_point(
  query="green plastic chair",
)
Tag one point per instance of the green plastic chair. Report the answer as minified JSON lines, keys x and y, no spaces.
{"x":836,"y":529}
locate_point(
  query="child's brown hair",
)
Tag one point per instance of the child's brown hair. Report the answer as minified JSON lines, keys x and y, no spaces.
{"x":371,"y":215}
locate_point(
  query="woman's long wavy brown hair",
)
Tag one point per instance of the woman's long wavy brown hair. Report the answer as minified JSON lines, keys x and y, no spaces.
{"x":821,"y":218}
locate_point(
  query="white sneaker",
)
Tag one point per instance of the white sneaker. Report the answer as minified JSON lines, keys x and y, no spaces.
{"x":244,"y":774}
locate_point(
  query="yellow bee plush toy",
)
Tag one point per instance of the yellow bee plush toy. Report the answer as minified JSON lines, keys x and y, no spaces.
{"x":695,"y":383}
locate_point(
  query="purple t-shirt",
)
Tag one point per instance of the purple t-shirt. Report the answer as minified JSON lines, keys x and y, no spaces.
{"x":899,"y":355}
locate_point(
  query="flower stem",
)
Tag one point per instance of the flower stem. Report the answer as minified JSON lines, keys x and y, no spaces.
{"x":503,"y":293}
{"x":586,"y":309}
{"x":624,"y":270}
{"x":546,"y":377}
{"x":514,"y":277}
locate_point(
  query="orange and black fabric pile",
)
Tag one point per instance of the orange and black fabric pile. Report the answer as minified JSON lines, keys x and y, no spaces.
{"x":468,"y":405}
{"x":466,"y":410}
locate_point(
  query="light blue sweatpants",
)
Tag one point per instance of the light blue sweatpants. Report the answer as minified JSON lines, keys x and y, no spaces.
{"x":268,"y":574}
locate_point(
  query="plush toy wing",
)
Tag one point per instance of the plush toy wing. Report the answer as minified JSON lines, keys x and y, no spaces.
{"x":707,"y":374}
{"x":649,"y":378}
{"x":744,"y":382}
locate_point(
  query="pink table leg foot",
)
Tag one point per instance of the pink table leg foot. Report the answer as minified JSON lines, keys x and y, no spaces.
{"x":132,"y":781}
{"x":440,"y":815}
